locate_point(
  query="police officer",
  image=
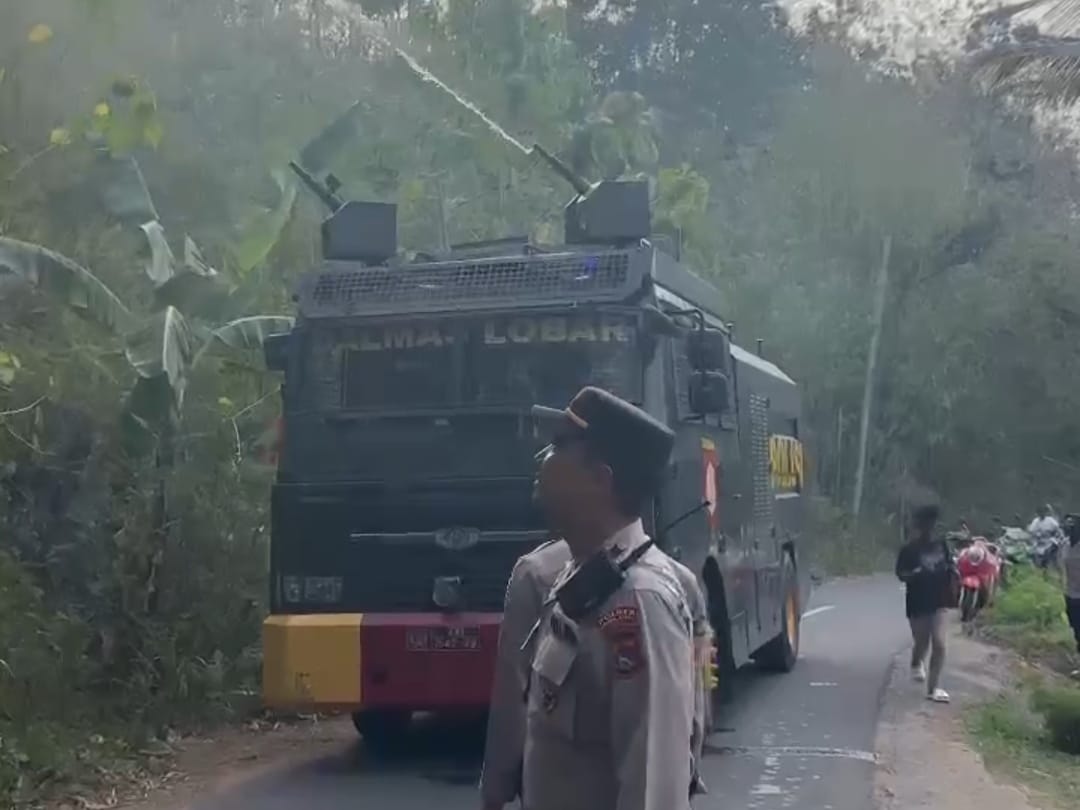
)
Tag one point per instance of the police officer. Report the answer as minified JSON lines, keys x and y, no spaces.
{"x":610,"y":703}
{"x":530,"y":582}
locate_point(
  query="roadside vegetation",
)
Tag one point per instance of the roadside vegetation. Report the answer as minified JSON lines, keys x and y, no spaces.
{"x":1011,"y":732}
{"x":1032,"y":733}
{"x":1029,"y":617}
{"x":149,"y":241}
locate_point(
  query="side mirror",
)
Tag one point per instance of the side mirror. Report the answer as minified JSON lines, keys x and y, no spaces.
{"x":276,"y":351}
{"x":708,"y":393}
{"x":708,"y":349}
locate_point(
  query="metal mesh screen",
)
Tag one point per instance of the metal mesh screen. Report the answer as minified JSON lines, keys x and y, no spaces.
{"x":759,"y":448}
{"x":564,"y":278}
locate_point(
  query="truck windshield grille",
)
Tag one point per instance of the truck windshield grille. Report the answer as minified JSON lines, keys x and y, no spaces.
{"x":483,"y":282}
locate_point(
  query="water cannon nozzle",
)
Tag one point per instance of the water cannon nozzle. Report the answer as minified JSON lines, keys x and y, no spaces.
{"x":327,"y":192}
{"x":580,"y":185}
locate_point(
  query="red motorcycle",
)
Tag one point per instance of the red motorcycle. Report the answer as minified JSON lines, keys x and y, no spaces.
{"x":979,"y":564}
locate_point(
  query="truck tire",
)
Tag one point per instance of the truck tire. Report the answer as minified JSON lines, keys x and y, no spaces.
{"x":724,"y":665}
{"x":383,"y":732}
{"x":782,"y":651}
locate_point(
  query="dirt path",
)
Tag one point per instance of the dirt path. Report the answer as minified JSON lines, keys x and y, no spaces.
{"x":204,"y":766}
{"x":925,"y":761}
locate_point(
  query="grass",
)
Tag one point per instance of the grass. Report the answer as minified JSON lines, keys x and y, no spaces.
{"x":1029,"y":617}
{"x":1013,"y":741}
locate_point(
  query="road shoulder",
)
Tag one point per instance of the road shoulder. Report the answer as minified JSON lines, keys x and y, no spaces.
{"x":924,"y":760}
{"x":198,"y":767}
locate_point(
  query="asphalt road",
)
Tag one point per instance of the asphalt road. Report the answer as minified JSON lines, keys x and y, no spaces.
{"x":803,"y":740}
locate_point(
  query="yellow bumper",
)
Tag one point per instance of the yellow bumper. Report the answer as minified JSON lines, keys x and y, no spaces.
{"x":312,"y":662}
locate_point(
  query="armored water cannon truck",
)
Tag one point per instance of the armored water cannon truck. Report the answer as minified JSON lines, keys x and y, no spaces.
{"x":403,"y":491}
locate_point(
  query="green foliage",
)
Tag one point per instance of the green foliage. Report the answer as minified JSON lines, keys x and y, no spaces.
{"x":621,"y":138}
{"x":1060,"y":709}
{"x":1031,"y":599}
{"x":42,"y":657}
{"x":1012,"y":739}
{"x":1030,"y":615}
{"x":263,"y":230}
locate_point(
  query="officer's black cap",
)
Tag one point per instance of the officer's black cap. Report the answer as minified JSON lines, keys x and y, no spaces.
{"x":635,"y":445}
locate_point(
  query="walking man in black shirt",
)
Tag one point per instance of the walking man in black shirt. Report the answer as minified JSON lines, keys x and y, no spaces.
{"x":925,"y":565}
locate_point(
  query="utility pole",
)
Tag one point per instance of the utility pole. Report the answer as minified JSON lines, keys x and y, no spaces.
{"x":871,"y":375}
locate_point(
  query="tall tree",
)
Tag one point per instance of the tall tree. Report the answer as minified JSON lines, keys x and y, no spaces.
{"x":716,"y":66}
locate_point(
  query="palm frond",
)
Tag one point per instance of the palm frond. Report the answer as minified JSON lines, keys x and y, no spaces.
{"x":1045,"y":69}
{"x":1053,"y":18}
{"x":1014,"y":10}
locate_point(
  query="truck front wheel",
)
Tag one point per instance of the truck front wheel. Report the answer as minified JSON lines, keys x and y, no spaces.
{"x":721,"y":675}
{"x":383,"y":732}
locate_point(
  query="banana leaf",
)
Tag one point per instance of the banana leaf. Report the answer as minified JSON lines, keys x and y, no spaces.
{"x":161,"y":266}
{"x":193,"y":259}
{"x":160,"y":353}
{"x":196,"y":289}
{"x":245,"y":334}
{"x":162,"y":350}
{"x":66,"y":281}
{"x":260,"y":235}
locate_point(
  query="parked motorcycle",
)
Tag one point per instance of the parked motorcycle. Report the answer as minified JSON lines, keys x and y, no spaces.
{"x":1014,"y":544}
{"x":1045,"y":548}
{"x":979,"y":565}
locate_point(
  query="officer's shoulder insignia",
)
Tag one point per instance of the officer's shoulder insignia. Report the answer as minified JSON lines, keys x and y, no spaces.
{"x":620,"y":616}
{"x":621,"y":627}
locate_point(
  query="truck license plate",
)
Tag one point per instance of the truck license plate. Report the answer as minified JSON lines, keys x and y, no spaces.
{"x":443,"y":638}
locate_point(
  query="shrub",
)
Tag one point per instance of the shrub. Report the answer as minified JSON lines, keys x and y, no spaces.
{"x":1060,"y":709}
{"x":1030,"y":599}
{"x":1030,"y":617}
{"x":41,"y":663}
